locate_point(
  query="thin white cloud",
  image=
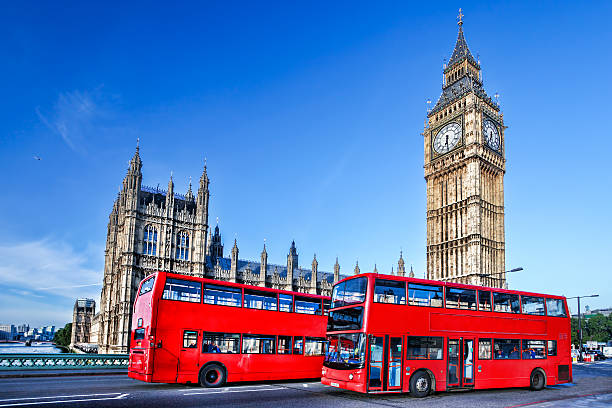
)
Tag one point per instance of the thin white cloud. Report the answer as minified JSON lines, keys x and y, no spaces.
{"x":73,"y":116}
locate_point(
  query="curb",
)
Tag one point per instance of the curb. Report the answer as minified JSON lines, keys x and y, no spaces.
{"x":60,"y":374}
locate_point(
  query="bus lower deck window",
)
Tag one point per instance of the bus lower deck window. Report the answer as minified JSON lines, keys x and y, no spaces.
{"x":506,"y":349}
{"x":225,"y":343}
{"x":552,"y":348}
{"x":533,"y":349}
{"x":298,"y":345}
{"x":484,"y":349}
{"x":255,"y":344}
{"x":190,"y":339}
{"x":424,"y":348}
{"x":284,"y":345}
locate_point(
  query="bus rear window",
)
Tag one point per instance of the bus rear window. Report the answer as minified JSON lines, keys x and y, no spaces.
{"x":183,"y":290}
{"x":147,"y":286}
{"x":349,"y":292}
{"x":555,"y":307}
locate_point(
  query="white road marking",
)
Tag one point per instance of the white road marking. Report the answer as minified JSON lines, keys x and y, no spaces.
{"x":60,"y":396}
{"x":16,"y":404}
{"x":231,"y":390}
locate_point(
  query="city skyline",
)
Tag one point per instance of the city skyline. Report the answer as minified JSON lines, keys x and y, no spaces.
{"x":310,"y":123}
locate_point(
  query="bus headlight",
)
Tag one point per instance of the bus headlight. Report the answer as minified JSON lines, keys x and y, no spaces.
{"x":323,"y":371}
{"x":350,"y":376}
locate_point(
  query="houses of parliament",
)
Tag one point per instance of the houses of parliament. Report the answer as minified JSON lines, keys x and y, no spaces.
{"x":152,"y":229}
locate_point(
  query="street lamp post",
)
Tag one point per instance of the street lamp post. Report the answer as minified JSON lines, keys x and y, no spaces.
{"x":580,"y":324}
{"x":484,"y":275}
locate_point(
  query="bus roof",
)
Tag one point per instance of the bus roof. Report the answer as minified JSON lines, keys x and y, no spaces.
{"x":447,"y":284}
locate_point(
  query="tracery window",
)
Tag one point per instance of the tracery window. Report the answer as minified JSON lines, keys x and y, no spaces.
{"x":150,"y":240}
{"x":182,"y":245}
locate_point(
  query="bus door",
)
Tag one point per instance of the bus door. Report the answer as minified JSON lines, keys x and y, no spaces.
{"x":385,"y":363}
{"x":189,"y":354}
{"x":460,"y":364}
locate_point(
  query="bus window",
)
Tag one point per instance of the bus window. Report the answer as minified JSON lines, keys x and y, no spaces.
{"x":484,"y":349}
{"x":533,"y":349}
{"x":147,"y":286}
{"x":225,"y":343}
{"x":307,"y":305}
{"x":190,"y":339}
{"x":183,"y":290}
{"x":389,"y":291}
{"x":484,"y":300}
{"x":506,"y":302}
{"x":457,"y":298}
{"x":285,"y":303}
{"x":284,"y":345}
{"x":139,"y":334}
{"x":345,"y":351}
{"x":532,"y":305}
{"x":349,"y":292}
{"x":424,"y":295}
{"x":314,"y":346}
{"x":254,"y":299}
{"x":506,"y":349}
{"x":326,"y":306}
{"x":254,"y":344}
{"x":424,"y":348}
{"x":222,"y":295}
{"x":552,"y":348}
{"x":555,"y":307}
{"x":345,"y":319}
{"x":298,"y":345}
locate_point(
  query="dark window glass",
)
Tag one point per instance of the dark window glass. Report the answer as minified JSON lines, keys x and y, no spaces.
{"x":345,"y":351}
{"x":190,"y":339}
{"x":307,"y":305}
{"x":555,"y":307}
{"x":345,"y":319}
{"x":349,"y":292}
{"x":532,"y":305}
{"x":222,"y":295}
{"x":506,"y":302}
{"x":285,"y":303}
{"x":254,"y":299}
{"x":506,"y":349}
{"x":147,"y":286}
{"x":484,"y":349}
{"x":424,"y":348}
{"x":552,"y":347}
{"x":533,"y":349}
{"x":225,"y":343}
{"x":183,"y":290}
{"x":284,"y":345}
{"x":254,"y":344}
{"x":326,"y":306}
{"x":424,"y":295}
{"x":139,"y":334}
{"x":457,"y":298}
{"x":298,"y":345}
{"x":484,"y":300}
{"x":389,"y":291}
{"x":314,"y":346}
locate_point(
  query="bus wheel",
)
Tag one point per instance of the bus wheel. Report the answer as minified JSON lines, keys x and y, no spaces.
{"x":420,"y":384}
{"x":537,"y":381}
{"x":212,"y":376}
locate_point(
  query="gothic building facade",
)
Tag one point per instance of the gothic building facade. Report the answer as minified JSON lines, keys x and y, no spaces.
{"x":464,"y":171}
{"x":151,"y":230}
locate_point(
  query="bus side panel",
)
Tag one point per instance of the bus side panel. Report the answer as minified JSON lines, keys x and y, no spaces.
{"x":166,"y":356}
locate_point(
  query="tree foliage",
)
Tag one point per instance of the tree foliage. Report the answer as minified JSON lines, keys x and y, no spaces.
{"x":597,"y":328}
{"x":63,"y":335}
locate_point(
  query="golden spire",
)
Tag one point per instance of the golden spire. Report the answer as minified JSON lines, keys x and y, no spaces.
{"x":460,"y":17}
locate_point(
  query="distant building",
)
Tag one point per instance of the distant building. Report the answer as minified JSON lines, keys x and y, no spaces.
{"x":82,"y":314}
{"x":588,"y":313}
{"x":8,"y":332}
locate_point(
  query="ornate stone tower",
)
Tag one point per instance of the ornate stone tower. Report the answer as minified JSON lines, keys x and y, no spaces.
{"x":464,"y":171}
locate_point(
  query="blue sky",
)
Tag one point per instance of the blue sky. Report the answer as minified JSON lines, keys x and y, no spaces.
{"x":310,"y":116}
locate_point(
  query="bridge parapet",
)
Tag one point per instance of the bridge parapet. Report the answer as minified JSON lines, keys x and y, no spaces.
{"x":62,"y":361}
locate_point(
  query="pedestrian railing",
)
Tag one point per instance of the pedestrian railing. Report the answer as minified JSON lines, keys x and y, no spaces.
{"x":62,"y":361}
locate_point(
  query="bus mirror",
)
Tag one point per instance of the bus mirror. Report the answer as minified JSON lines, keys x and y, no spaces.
{"x":159,"y":345}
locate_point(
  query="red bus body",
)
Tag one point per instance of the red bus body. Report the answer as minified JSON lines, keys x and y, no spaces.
{"x":457,"y":343}
{"x":170,"y":343}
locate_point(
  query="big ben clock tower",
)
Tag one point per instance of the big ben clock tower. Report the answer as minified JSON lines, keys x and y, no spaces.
{"x":464,"y":171}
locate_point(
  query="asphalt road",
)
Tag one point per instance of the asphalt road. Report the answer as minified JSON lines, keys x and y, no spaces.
{"x":592,"y":388}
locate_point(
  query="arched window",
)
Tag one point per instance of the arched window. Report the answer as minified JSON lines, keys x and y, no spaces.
{"x":150,"y":240}
{"x":182,"y":245}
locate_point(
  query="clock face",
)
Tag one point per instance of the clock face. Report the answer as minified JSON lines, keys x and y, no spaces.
{"x":447,"y":138}
{"x":491,"y":134}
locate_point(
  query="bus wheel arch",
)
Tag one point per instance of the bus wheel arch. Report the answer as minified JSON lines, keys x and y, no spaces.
{"x":422,"y":383}
{"x":537,"y":379}
{"x":212,"y":375}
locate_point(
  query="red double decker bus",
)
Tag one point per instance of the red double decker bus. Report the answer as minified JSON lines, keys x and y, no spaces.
{"x":194,"y":330}
{"x":394,"y":334}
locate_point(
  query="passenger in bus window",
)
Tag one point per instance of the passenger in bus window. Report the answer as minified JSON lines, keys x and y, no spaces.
{"x":514,"y":353}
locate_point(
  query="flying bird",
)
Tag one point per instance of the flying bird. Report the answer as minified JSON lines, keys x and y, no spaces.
{"x":36,"y":158}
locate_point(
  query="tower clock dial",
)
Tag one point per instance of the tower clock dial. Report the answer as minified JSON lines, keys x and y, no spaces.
{"x":491,"y":134}
{"x":447,"y":138}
